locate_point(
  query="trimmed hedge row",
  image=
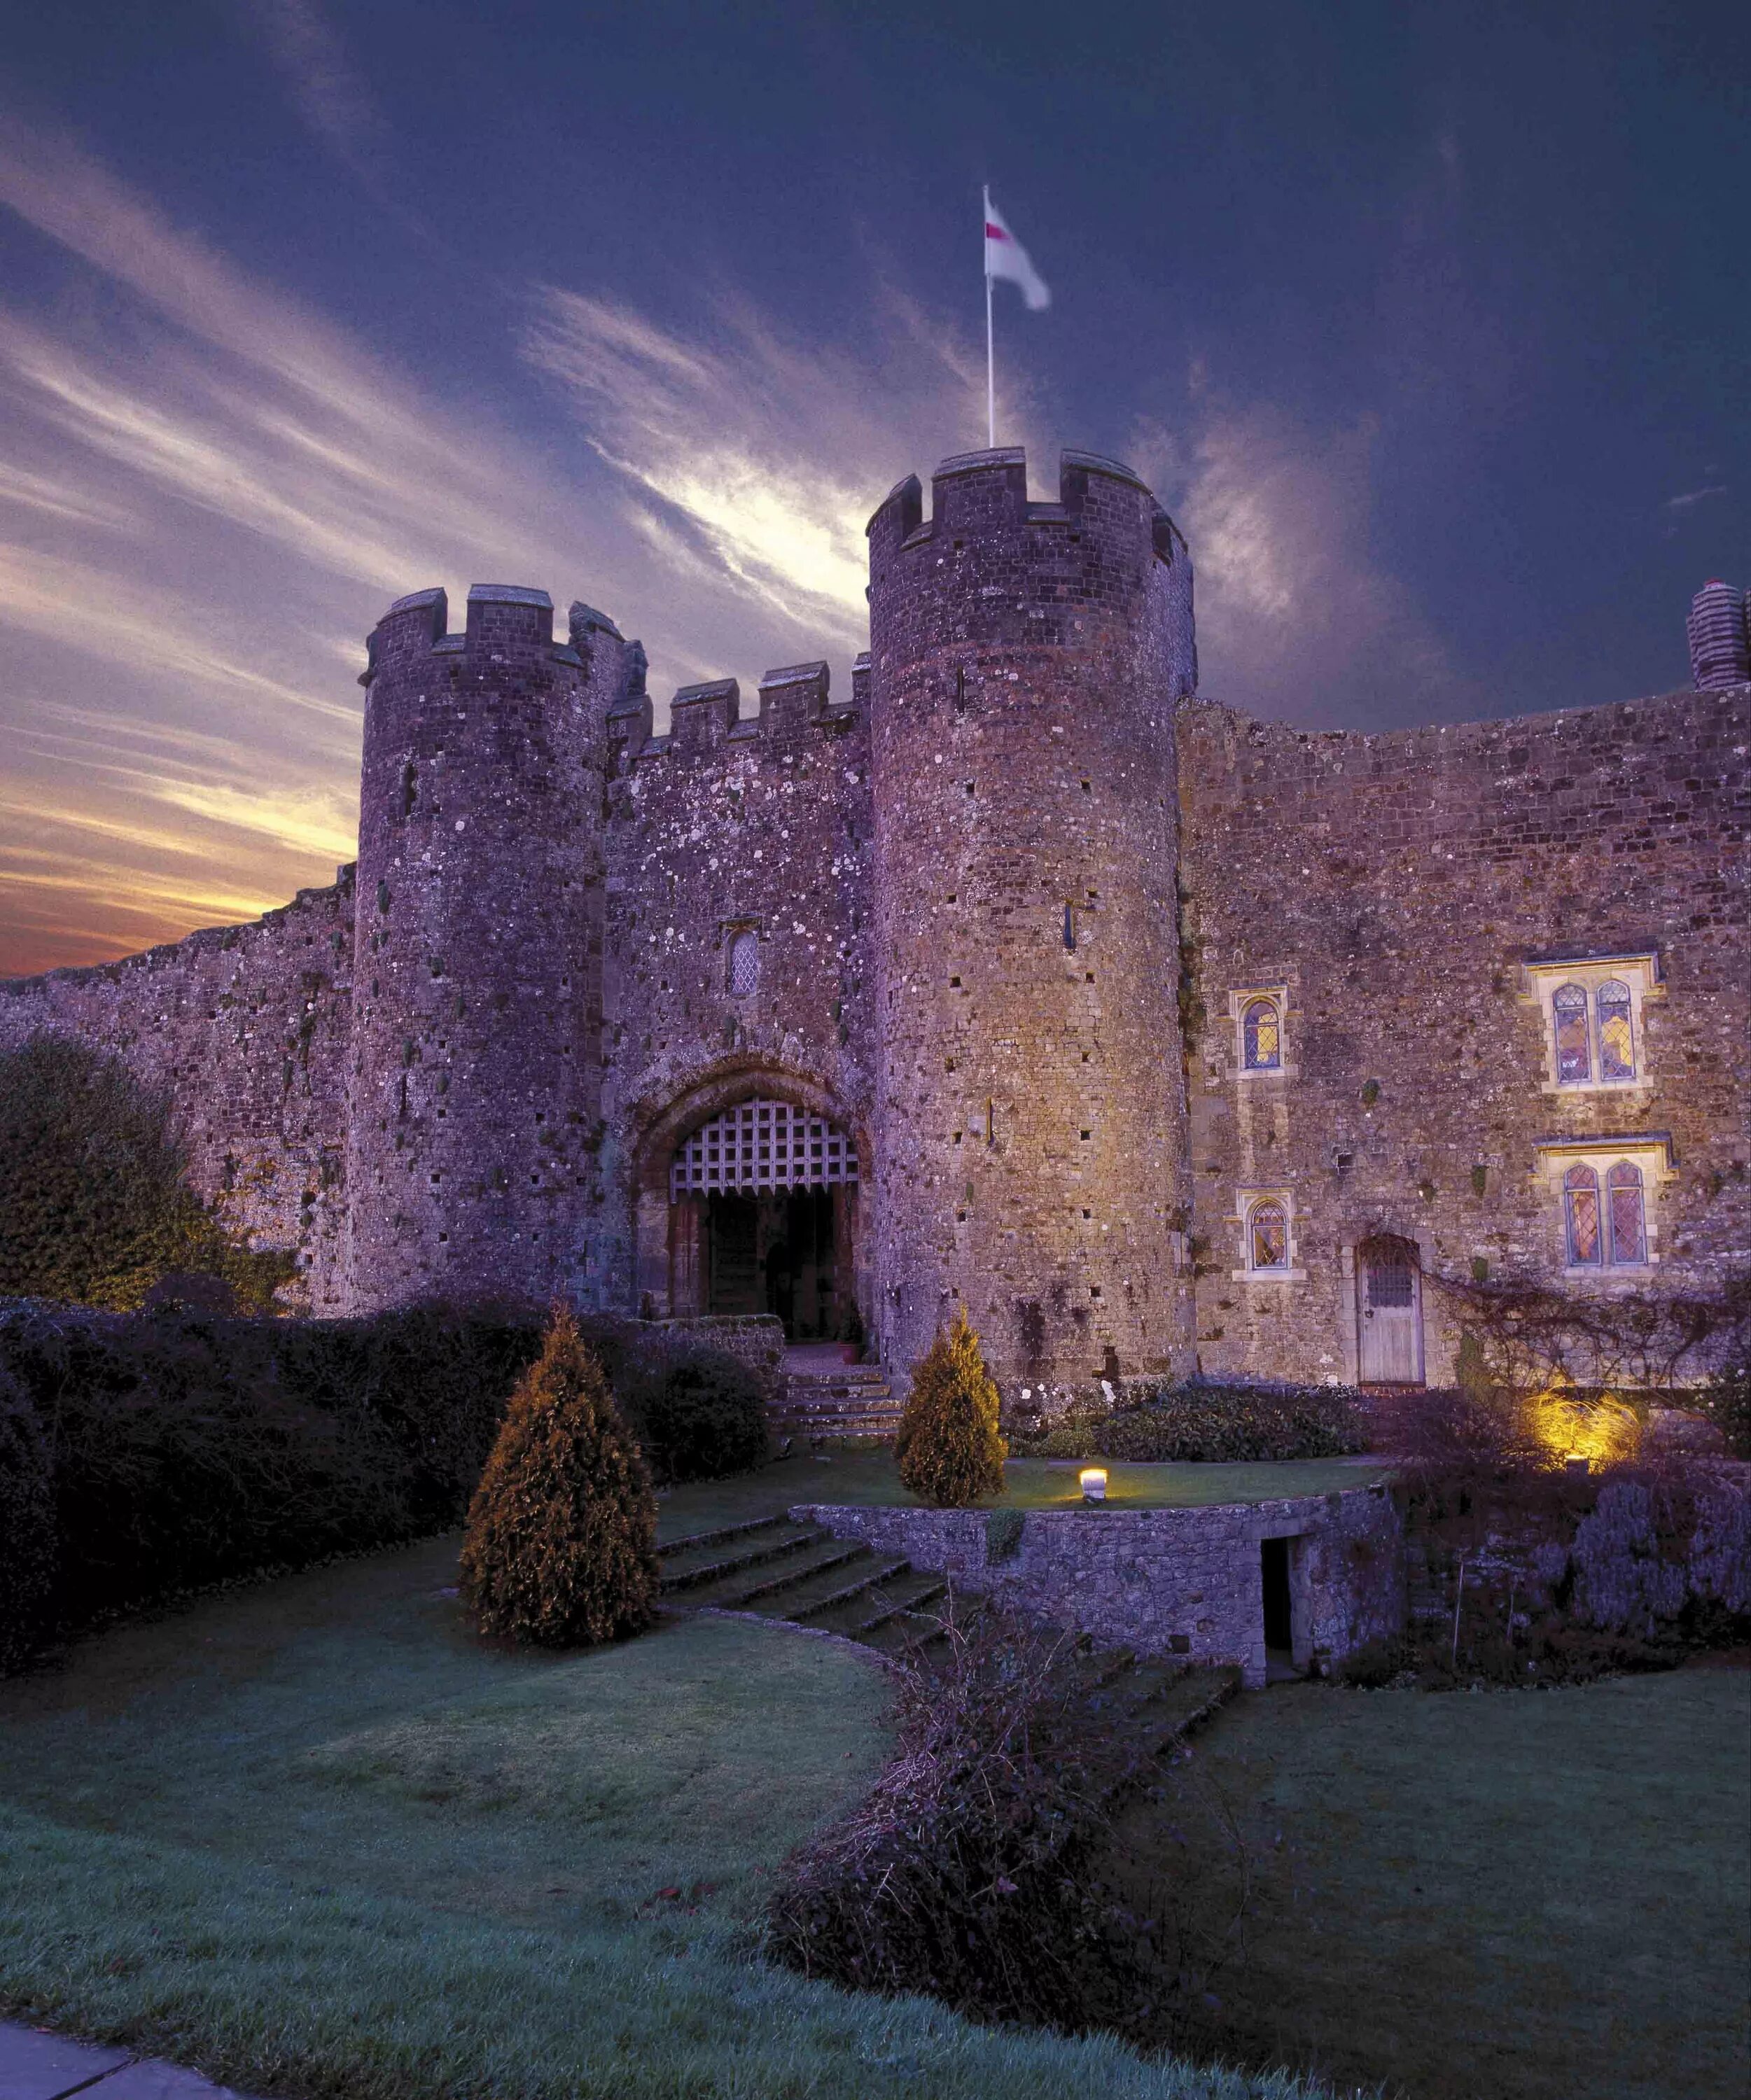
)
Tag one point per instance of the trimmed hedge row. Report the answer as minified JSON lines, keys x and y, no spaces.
{"x":145,"y":1455}
{"x":1218,"y":1423}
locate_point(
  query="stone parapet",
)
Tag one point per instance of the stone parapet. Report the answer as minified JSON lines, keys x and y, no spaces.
{"x":1171,"y":1582}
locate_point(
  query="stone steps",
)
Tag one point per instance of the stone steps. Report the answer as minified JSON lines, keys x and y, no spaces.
{"x":802,"y":1573}
{"x":692,"y":1564}
{"x":851,"y":1400}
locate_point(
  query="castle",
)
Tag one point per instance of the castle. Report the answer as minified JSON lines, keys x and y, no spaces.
{"x":1017,"y":978}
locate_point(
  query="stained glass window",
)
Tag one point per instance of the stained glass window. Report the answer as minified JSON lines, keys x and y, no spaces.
{"x":744,"y":964}
{"x":1262,"y":1038}
{"x":1581,"y":1200}
{"x":1574,"y":1066}
{"x":1629,"y":1227}
{"x":1617,"y":1036}
{"x":1268,"y":1236}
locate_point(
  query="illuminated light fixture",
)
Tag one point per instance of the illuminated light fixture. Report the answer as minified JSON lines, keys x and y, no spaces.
{"x":1094,"y":1484}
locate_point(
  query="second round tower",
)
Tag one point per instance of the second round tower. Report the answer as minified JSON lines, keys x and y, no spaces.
{"x":1027,"y":659}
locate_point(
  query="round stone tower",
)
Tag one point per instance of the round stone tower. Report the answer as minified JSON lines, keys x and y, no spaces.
{"x":476,"y":1076}
{"x":1030,"y":1148}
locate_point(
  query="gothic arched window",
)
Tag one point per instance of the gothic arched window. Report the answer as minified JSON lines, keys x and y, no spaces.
{"x":1629,"y":1223}
{"x":1262,"y":1038}
{"x":1574,"y":1059}
{"x":744,"y":963}
{"x":1616,"y":1032}
{"x":1581,"y":1206}
{"x":1267,"y":1236}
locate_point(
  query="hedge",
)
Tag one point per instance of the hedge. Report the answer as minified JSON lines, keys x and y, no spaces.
{"x":183,"y":1449}
{"x":1218,"y":1423}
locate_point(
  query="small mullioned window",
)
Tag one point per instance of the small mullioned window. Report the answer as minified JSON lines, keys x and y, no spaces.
{"x":744,"y":963}
{"x":1607,"y":1234}
{"x":1262,"y":1036}
{"x":1267,"y":1236}
{"x":1593,"y":1018}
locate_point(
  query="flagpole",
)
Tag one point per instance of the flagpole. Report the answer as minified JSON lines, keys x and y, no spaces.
{"x":991,"y":355}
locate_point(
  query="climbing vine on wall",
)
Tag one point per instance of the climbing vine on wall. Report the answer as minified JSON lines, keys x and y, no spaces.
{"x":94,"y":1208}
{"x":1527,"y":1338}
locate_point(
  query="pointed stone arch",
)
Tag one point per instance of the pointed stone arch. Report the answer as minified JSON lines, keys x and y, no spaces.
{"x":670,"y":1228}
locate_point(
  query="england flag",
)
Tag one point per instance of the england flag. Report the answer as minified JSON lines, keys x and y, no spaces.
{"x":1005,"y":257}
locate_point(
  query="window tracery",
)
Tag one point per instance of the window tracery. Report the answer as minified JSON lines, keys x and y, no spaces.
{"x":1617,"y":1031}
{"x":1262,"y":1036}
{"x":1574,"y":1048}
{"x":1581,"y":1203}
{"x":1628,"y":1215}
{"x":744,"y":963}
{"x":1267,"y":1236}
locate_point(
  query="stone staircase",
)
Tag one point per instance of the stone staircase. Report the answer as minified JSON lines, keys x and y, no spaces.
{"x":823,"y":1400}
{"x":781,"y":1568}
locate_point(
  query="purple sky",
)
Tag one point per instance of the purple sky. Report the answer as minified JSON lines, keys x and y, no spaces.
{"x":1430,"y":325}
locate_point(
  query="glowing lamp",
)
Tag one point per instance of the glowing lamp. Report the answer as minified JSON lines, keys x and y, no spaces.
{"x":1094,"y":1484}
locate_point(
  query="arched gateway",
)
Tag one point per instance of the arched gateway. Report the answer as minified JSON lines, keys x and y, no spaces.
{"x":760,"y":1215}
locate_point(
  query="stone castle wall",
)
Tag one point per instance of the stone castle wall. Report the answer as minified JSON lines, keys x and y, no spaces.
{"x":1396,"y":886}
{"x":725,"y":826}
{"x":246,"y":1031}
{"x":1170,"y":1581}
{"x":1006,"y":895}
{"x":1026,"y":658}
{"x":475,"y":1082}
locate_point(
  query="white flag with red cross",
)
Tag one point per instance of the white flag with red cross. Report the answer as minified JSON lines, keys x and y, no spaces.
{"x":1006,"y":257}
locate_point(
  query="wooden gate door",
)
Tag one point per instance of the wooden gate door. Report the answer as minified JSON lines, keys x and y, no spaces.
{"x":1389,"y":1312}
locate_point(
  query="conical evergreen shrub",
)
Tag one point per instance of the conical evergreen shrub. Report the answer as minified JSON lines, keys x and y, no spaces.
{"x":560,"y":1549}
{"x":948,"y":1447}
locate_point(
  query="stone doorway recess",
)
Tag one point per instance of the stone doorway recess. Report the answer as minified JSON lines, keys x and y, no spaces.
{"x":1388,"y":1312}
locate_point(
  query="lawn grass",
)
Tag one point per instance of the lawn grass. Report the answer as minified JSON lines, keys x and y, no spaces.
{"x":316,"y":1839}
{"x":1489,"y":1896}
{"x":849,"y":1474}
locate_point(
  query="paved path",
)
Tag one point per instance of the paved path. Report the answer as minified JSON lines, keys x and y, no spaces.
{"x":37,"y":2065}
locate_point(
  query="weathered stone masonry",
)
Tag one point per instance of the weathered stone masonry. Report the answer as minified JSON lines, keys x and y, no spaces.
{"x":1171,"y":1581}
{"x":1001,"y":906}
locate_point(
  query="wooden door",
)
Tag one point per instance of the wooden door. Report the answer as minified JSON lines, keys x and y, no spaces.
{"x":1389,"y":1312}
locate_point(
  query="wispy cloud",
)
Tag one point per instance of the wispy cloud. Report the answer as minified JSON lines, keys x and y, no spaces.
{"x":206,"y":502}
{"x":1695,"y":496}
{"x":327,"y":90}
{"x":1296,"y":614}
{"x":773,"y":453}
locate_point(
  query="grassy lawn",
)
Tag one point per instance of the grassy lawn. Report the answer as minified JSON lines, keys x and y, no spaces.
{"x":853,"y":1475}
{"x":1487,"y":1896}
{"x":316,"y":1839}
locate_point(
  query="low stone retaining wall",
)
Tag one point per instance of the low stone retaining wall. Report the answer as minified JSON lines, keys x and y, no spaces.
{"x":1170,"y":1581}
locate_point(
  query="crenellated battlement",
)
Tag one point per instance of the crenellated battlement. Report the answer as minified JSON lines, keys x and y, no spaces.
{"x":796,"y":703}
{"x":499,"y":616}
{"x":984,"y":494}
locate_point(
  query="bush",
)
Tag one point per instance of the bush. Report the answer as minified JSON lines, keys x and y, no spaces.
{"x":28,"y":1547}
{"x":1726,"y":1401}
{"x":1228,"y":1424}
{"x":967,"y":1873}
{"x":561,"y":1544}
{"x":94,"y":1209}
{"x":698,"y":1413}
{"x":947,"y":1448}
{"x":190,"y":1450}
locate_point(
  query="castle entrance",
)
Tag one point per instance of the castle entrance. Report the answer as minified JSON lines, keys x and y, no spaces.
{"x":1388,"y":1312}
{"x":763,"y":1206}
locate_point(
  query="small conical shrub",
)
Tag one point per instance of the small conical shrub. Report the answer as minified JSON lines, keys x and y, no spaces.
{"x":560,"y":1549}
{"x":948,"y":1447}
